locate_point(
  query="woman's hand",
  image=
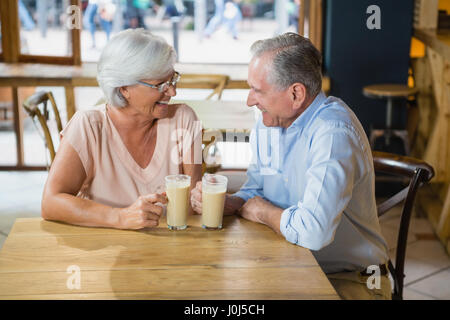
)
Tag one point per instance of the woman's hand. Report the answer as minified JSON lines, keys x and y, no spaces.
{"x":142,"y":213}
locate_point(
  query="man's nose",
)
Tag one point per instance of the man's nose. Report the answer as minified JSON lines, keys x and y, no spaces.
{"x":251,"y":101}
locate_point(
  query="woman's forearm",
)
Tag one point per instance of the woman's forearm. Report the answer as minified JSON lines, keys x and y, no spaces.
{"x":83,"y":212}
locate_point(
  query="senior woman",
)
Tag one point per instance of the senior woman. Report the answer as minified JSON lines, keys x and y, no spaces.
{"x":110,"y":167}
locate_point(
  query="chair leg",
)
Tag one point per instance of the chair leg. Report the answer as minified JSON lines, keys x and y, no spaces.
{"x":389,"y":107}
{"x":376,"y":133}
{"x":397,"y":291}
{"x":403,"y":134}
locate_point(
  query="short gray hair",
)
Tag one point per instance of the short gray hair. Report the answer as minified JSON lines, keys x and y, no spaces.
{"x":129,"y":56}
{"x":295,"y":59}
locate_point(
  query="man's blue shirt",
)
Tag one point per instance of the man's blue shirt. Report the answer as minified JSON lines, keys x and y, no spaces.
{"x":320,"y":171}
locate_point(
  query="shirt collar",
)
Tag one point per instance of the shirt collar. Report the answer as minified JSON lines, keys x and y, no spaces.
{"x":304,"y":118}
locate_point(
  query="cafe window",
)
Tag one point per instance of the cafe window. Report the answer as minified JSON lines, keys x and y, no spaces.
{"x":42,"y":28}
{"x":202,"y":31}
{"x":41,"y":31}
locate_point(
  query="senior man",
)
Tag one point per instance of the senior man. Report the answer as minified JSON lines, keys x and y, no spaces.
{"x":311,"y":178}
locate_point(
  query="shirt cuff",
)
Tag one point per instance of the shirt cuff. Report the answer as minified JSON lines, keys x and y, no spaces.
{"x":242,"y":195}
{"x":285,"y":225}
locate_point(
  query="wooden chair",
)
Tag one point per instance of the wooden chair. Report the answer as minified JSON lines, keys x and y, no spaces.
{"x":205,"y":81}
{"x":417,"y":172}
{"x":5,"y":109}
{"x":36,"y":107}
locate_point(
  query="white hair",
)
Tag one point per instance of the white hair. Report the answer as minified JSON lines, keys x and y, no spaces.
{"x":295,"y":59}
{"x":132,"y":55}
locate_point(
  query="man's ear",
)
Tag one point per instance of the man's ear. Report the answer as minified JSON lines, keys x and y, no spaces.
{"x":298,"y":91}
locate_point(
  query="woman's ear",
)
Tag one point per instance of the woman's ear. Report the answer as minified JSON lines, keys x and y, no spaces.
{"x":298,"y":92}
{"x":125,"y":93}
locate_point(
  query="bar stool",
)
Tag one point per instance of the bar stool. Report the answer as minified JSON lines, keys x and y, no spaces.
{"x":389,"y":92}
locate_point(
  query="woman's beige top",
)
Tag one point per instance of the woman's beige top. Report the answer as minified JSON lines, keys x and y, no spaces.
{"x":112,"y":175}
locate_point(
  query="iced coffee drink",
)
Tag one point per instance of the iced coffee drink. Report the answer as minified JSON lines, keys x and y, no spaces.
{"x":177,"y":190}
{"x":214,"y":187}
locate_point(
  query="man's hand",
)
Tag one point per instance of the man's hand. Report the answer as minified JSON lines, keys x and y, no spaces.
{"x":232,"y":204}
{"x":259,"y":210}
{"x":196,"y":198}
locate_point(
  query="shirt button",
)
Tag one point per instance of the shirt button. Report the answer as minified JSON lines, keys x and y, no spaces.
{"x":286,"y":179}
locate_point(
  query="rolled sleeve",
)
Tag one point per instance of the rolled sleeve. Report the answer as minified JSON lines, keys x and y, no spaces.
{"x":285,"y":225}
{"x":242,"y":195}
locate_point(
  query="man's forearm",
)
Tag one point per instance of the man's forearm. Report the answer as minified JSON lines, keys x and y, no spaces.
{"x":262,"y":211}
{"x":272,"y":218}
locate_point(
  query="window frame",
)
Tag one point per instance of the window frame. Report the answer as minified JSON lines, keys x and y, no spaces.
{"x":9,"y":16}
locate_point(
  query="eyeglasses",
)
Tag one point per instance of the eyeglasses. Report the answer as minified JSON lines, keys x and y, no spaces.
{"x":163,"y":87}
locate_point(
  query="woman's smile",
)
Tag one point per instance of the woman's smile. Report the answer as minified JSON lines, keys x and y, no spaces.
{"x":162,"y":103}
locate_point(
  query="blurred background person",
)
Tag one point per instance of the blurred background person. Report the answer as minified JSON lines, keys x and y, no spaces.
{"x":232,"y":16}
{"x":104,"y":11}
{"x":294,"y":10}
{"x":134,"y":15}
{"x":227,"y":13}
{"x":217,"y":19}
{"x":25,"y":18}
{"x":174,"y":8}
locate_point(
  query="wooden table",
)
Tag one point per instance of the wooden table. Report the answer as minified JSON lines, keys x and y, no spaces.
{"x":245,"y":260}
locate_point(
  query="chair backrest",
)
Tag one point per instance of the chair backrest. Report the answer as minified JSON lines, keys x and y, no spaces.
{"x":36,"y":107}
{"x":202,"y":81}
{"x":417,"y":172}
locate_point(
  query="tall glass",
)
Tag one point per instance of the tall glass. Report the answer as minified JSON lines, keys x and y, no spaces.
{"x":214,"y":187}
{"x":177,"y":190}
